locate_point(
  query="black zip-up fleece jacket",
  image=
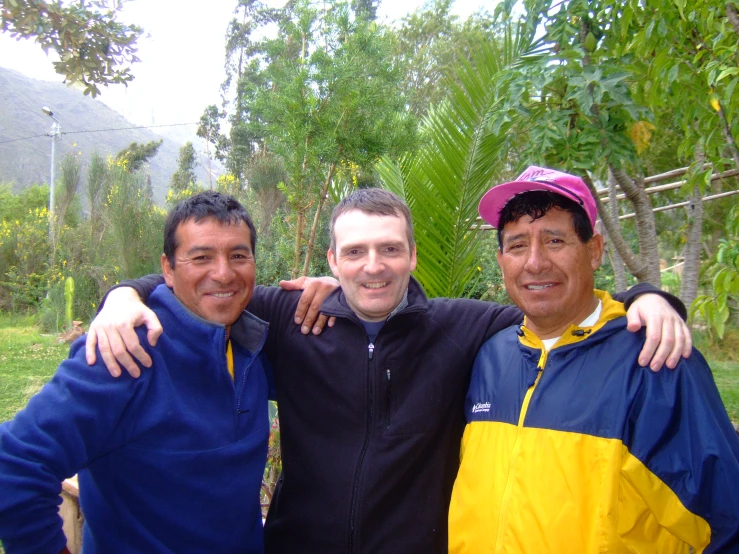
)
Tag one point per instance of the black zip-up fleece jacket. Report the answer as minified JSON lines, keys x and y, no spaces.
{"x":371,"y":433}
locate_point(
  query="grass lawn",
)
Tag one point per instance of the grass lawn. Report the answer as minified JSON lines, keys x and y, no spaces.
{"x":726,"y":375}
{"x":27,"y":361}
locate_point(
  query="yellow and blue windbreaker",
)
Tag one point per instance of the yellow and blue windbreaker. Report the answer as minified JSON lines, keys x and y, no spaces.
{"x":581,"y":450}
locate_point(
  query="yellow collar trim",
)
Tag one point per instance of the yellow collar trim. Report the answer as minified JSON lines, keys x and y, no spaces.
{"x":610,"y":309}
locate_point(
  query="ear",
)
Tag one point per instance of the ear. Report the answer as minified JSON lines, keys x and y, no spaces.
{"x":332,"y":263}
{"x":596,"y":246}
{"x":167,"y":271}
{"x":413,"y":258}
{"x":499,"y":257}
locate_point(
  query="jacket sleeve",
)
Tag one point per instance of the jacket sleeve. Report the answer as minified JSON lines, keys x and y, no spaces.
{"x":683,"y":457}
{"x":645,"y":288}
{"x":277,"y":306}
{"x":143,"y":286}
{"x":76,"y":417}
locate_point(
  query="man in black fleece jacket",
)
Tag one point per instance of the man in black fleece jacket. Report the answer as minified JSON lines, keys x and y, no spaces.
{"x":371,"y":414}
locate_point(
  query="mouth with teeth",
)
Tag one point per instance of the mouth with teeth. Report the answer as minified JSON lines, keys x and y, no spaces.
{"x":222,"y":294}
{"x":379,"y":285}
{"x":538,"y":287}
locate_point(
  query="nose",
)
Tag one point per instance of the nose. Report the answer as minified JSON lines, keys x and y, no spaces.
{"x":537,"y":259}
{"x":222,"y":271}
{"x":373,"y":263}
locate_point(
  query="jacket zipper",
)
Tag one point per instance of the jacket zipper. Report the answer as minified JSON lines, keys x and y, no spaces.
{"x":514,"y":454}
{"x":368,"y":432}
{"x":388,"y":397}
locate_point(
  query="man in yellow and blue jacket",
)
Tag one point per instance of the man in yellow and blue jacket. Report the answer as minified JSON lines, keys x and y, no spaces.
{"x":570,"y":446}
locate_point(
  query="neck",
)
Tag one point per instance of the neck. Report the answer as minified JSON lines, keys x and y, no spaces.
{"x":545,"y":328}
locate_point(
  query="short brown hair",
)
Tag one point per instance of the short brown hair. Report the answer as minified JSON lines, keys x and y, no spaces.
{"x":373,"y":201}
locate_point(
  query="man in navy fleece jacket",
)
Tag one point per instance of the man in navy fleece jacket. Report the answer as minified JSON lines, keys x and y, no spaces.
{"x":172,"y":461}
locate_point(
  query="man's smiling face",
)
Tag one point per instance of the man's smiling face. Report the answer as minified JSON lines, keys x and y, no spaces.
{"x":548,"y":271}
{"x":373,"y":262}
{"x":214,"y":271}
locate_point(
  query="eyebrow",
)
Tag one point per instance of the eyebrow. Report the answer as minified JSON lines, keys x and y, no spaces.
{"x":206,"y":249}
{"x":347,"y":247}
{"x":548,"y":232}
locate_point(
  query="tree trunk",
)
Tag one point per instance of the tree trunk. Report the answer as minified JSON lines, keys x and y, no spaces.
{"x":298,"y":243}
{"x":636,"y":266}
{"x":645,"y":224}
{"x":732,"y":16}
{"x":317,"y":218}
{"x":730,"y":143}
{"x":717,"y":233}
{"x":617,"y":263}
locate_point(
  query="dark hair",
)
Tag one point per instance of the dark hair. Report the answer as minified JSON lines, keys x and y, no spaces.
{"x":223,"y":207}
{"x":536,"y":204}
{"x":374,"y":201}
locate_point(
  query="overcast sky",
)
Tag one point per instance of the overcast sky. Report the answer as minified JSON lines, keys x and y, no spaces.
{"x":182,"y":56}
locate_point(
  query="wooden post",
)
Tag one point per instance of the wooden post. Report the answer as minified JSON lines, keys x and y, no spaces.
{"x":71,"y":515}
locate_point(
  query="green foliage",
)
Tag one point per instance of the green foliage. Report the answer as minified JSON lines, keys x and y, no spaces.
{"x":25,"y":258}
{"x":321,"y":96}
{"x":428,"y":45}
{"x":209,"y":129}
{"x":94,"y":49}
{"x":716,"y":307}
{"x":121,"y":239}
{"x":136,"y":155}
{"x":66,"y":201}
{"x":14,"y":207}
{"x":184,"y":178}
{"x":135,"y":224}
{"x":461,"y":154}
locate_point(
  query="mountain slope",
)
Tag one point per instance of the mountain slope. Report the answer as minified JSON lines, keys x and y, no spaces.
{"x":27,"y":161}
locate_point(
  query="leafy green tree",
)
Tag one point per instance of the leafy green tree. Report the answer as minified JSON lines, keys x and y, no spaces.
{"x":462,"y":151}
{"x":243,"y":75}
{"x":184,"y":177}
{"x":97,"y":181}
{"x":67,"y":203}
{"x":716,"y":307}
{"x":266,"y":177}
{"x":332,"y":99}
{"x":209,"y":129}
{"x":136,"y":155}
{"x":94,"y":49}
{"x":428,"y":44}
{"x":134,"y":235}
{"x":18,"y":206}
{"x":365,"y":9}
{"x":606,"y":72}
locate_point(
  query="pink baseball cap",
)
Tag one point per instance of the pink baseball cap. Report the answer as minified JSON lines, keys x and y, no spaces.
{"x":538,"y":178}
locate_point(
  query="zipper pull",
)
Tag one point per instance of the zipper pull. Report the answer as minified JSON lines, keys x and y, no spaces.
{"x":371,"y":349}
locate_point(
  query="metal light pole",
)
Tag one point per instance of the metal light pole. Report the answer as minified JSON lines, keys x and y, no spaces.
{"x":56,"y":131}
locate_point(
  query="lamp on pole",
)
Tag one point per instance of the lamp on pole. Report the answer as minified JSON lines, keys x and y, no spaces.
{"x":56,"y":131}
